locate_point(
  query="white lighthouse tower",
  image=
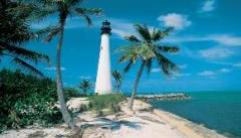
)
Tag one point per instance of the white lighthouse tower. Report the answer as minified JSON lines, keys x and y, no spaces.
{"x":103,"y":80}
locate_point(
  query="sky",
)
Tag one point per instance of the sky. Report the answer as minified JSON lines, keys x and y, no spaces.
{"x":208,"y":33}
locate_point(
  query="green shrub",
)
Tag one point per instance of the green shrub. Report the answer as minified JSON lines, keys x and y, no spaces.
{"x":27,"y":100}
{"x":109,"y":101}
{"x":72,"y":92}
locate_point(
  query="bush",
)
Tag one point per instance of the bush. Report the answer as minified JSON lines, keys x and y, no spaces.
{"x":109,"y":101}
{"x":27,"y":100}
{"x":72,"y":92}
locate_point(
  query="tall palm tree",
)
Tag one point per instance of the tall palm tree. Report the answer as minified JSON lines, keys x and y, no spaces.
{"x":85,"y":86}
{"x":118,"y":79}
{"x":64,"y":8}
{"x":15,"y":31}
{"x":145,"y":49}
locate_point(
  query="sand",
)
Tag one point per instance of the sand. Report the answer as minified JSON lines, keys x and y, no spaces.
{"x":144,"y":122}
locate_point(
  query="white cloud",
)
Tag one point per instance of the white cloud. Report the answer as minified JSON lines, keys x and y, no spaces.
{"x":237,"y":64}
{"x":178,"y":74}
{"x":207,"y":73}
{"x":122,"y":28}
{"x":227,"y":40}
{"x":85,"y":77}
{"x":54,"y":68}
{"x":216,"y":53}
{"x":178,"y":21}
{"x":183,"y":66}
{"x":175,"y":75}
{"x":221,"y":39}
{"x":211,"y":74}
{"x":208,"y":6}
{"x":155,"y":70}
{"x":224,"y":70}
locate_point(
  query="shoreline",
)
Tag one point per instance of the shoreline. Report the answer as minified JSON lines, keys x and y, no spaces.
{"x":144,"y":122}
{"x":187,"y":127}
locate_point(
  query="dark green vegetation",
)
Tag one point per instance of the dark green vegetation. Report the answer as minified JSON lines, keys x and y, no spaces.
{"x":26,"y":103}
{"x":146,"y":49}
{"x":118,"y":80}
{"x":109,"y":101}
{"x":72,"y":92}
{"x":85,"y":86}
{"x":15,"y":19}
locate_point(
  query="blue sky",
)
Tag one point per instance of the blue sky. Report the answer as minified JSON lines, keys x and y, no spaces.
{"x":208,"y":33}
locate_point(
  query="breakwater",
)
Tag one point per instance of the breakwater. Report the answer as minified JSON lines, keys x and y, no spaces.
{"x":169,"y":96}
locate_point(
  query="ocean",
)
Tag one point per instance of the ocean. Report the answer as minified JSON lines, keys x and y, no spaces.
{"x":220,"y":111}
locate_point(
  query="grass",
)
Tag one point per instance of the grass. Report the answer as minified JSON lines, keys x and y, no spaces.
{"x":100,"y":103}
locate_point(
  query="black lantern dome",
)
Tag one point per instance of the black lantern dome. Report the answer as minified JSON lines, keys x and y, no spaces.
{"x":106,"y":29}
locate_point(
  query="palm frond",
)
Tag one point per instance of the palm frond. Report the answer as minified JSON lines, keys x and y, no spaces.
{"x":143,"y":32}
{"x":128,"y":66}
{"x":149,"y":65}
{"x":85,"y":13}
{"x":157,"y":34}
{"x":48,"y":32}
{"x":168,"y":67}
{"x":27,"y":66}
{"x":28,"y":54}
{"x":89,"y":11}
{"x":170,"y":49}
{"x":33,"y":10}
{"x":128,"y":53}
{"x":117,"y":75}
{"x":132,"y":38}
{"x":75,"y":2}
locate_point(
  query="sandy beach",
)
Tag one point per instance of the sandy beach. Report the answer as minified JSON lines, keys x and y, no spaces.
{"x":144,"y":122}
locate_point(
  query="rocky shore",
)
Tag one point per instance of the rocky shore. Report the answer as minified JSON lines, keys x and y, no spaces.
{"x":169,"y":96}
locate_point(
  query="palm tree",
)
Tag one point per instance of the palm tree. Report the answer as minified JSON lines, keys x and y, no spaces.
{"x":64,"y":8}
{"x":118,"y":79}
{"x":15,"y":31}
{"x":144,"y":49}
{"x":85,"y":86}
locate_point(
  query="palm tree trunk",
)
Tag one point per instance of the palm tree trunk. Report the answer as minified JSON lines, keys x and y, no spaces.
{"x":66,"y":116}
{"x":139,"y":73}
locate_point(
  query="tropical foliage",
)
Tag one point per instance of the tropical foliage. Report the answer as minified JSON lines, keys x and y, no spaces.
{"x":15,"y":18}
{"x":26,"y":103}
{"x":145,"y":49}
{"x":118,"y":79}
{"x":85,"y":86}
{"x":72,"y":92}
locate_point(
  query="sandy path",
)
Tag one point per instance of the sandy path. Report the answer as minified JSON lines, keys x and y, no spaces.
{"x":149,"y":126}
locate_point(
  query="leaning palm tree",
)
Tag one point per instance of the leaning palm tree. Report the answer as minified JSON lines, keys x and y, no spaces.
{"x":85,"y":86}
{"x":118,"y":79}
{"x":144,"y":49}
{"x":64,"y":8}
{"x":15,"y":29}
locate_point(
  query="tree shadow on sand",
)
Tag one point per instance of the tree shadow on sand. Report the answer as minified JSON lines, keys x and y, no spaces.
{"x":106,"y":123}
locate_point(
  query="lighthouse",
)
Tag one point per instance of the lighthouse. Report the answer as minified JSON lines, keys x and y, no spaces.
{"x":103,"y":79}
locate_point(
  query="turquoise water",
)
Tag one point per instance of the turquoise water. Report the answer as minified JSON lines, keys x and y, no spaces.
{"x":220,"y":111}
